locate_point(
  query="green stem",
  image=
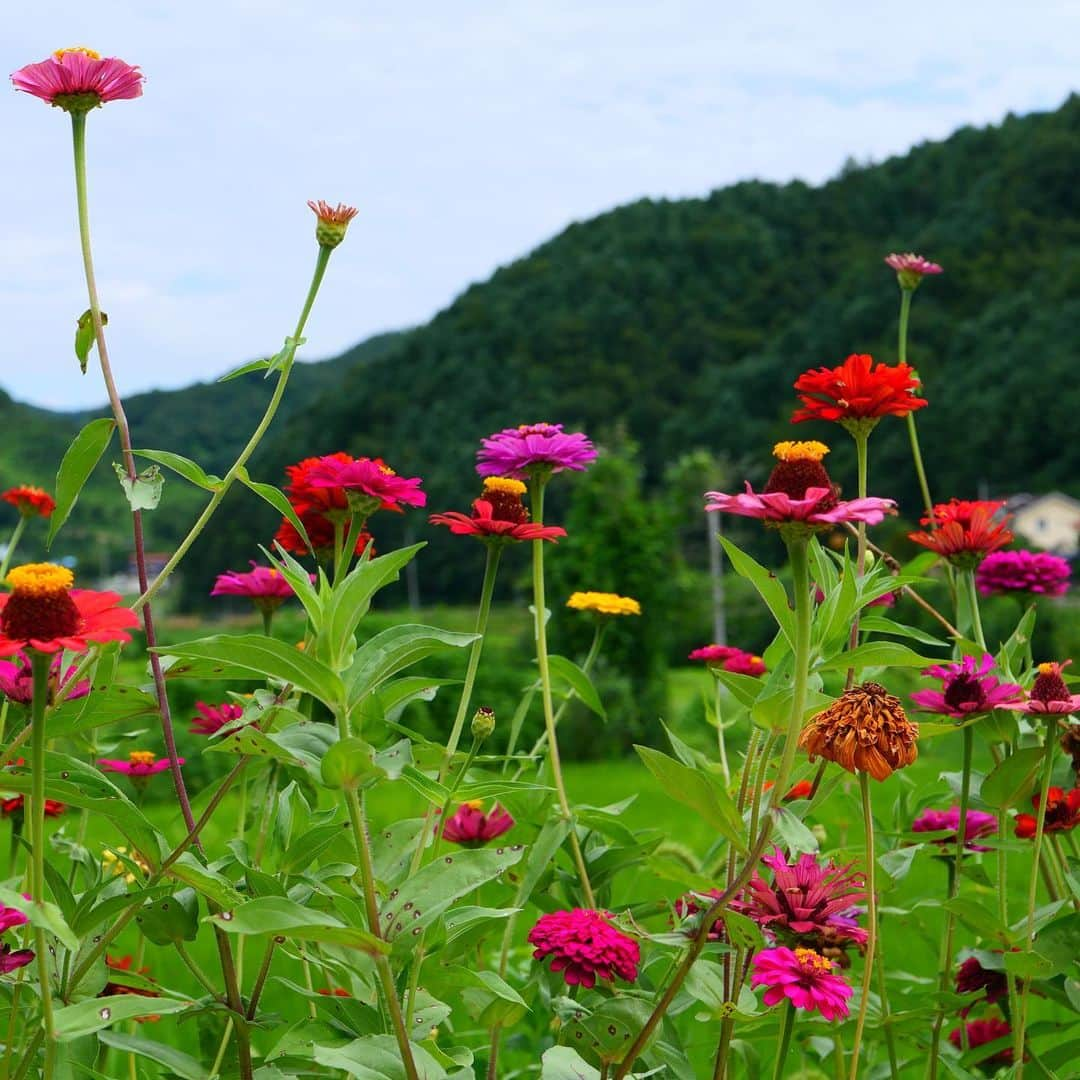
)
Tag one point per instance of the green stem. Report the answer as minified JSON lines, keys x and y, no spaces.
{"x":39,"y":664}
{"x":721,"y":742}
{"x":1003,"y":915}
{"x":861,"y":436}
{"x":783,"y":1045}
{"x":222,"y":490}
{"x":973,"y":603}
{"x":267,"y":621}
{"x":16,"y":535}
{"x":193,"y":967}
{"x":537,"y":501}
{"x":260,"y":979}
{"x":886,"y":1015}
{"x":913,"y":435}
{"x":871,"y":921}
{"x":352,"y":534}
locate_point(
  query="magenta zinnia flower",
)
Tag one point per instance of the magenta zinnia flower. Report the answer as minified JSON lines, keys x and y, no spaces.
{"x":729,"y":658}
{"x":585,"y":946}
{"x":140,"y":763}
{"x":540,"y":449}
{"x":212,"y":718}
{"x":807,"y":901}
{"x":79,"y":79}
{"x":13,"y":959}
{"x":17,"y":681}
{"x":976,"y":824}
{"x":369,"y":484}
{"x":1036,"y":572}
{"x":263,"y":585}
{"x":967,"y":688}
{"x":471,"y":827}
{"x":10,"y":917}
{"x":1049,"y":694}
{"x":804,"y":977}
{"x":911,"y":269}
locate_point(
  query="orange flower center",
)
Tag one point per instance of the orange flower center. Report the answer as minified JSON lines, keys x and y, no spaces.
{"x":89,"y":53}
{"x":141,"y":757}
{"x":40,"y":607}
{"x":475,"y":804}
{"x":813,"y":963}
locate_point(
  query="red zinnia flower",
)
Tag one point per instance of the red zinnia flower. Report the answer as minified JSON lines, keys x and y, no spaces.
{"x":320,"y":531}
{"x":1062,"y":813}
{"x":857,"y":391}
{"x":112,"y":989}
{"x":498,"y":515}
{"x":30,"y":500}
{"x":805,"y":978}
{"x":212,"y":718}
{"x":800,"y":790}
{"x":17,"y":805}
{"x":43,"y":612}
{"x":585,"y":946}
{"x":335,"y":992}
{"x":79,"y":79}
{"x":1049,"y":694}
{"x":964,"y":531}
{"x":471,"y":827}
{"x":980,"y":1032}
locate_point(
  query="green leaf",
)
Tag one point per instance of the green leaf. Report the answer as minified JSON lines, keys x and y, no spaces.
{"x":793,"y":832}
{"x":395,"y":695}
{"x":978,"y":918}
{"x":171,"y":919}
{"x":563,"y":1063}
{"x":308,"y":846}
{"x":348,"y":763}
{"x":277,"y":500}
{"x":393,"y":848}
{"x":47,"y":916}
{"x":184,"y":467}
{"x":103,"y":705}
{"x":176,"y":1061}
{"x":741,"y":930}
{"x":144,"y":491}
{"x":84,"y":336}
{"x":276,"y":915}
{"x":881,"y":625}
{"x":243,"y":655}
{"x":251,"y":742}
{"x":78,"y":463}
{"x":767,"y":585}
{"x":1012,"y":781}
{"x":74,"y":1021}
{"x":246,"y":369}
{"x":376,"y":1057}
{"x":579,"y":682}
{"x":876,"y":654}
{"x":214,"y":886}
{"x":1059,"y":942}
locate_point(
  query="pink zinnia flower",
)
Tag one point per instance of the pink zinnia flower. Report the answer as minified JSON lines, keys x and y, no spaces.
{"x":1036,"y":572}
{"x":730,"y":659}
{"x":691,"y":904}
{"x":967,"y":688}
{"x":1049,"y":694}
{"x":585,"y":946}
{"x":74,"y":78}
{"x":471,"y":827}
{"x":981,"y":1032}
{"x":10,"y":917}
{"x":212,"y":718}
{"x":806,"y":900}
{"x":541,"y":449}
{"x":17,"y":681}
{"x":13,"y":959}
{"x":911,"y":269}
{"x":263,"y":585}
{"x":976,"y":824}
{"x":804,"y":977}
{"x":140,"y":763}
{"x":369,"y":484}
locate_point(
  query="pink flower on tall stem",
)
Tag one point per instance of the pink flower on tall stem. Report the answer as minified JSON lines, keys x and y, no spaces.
{"x":805,"y":978}
{"x":967,"y":689}
{"x":911,"y":269}
{"x":263,"y":585}
{"x":585,"y":947}
{"x":1049,"y":694}
{"x":212,"y":718}
{"x":977,"y":824}
{"x":369,"y":484}
{"x":17,"y":681}
{"x":729,"y":658}
{"x":139,"y":764}
{"x":471,"y":827}
{"x":540,"y":449}
{"x":1036,"y":572}
{"x":79,"y":79}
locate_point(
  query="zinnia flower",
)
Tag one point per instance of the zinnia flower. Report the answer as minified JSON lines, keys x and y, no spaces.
{"x":972,"y":977}
{"x":967,"y":688}
{"x":585,"y":946}
{"x":369,"y":484}
{"x":16,"y":805}
{"x":13,"y":959}
{"x":30,"y":501}
{"x":690,"y":904}
{"x":212,"y":718}
{"x":799,"y":494}
{"x":729,"y":658}
{"x":964,"y":531}
{"x":863,"y":730}
{"x":1035,"y":572}
{"x":43,"y":612}
{"x":471,"y":827}
{"x":17,"y":681}
{"x":802,"y":789}
{"x":534,"y":449}
{"x":804,"y":977}
{"x":806,"y":900}
{"x":320,"y":531}
{"x":1049,"y":694}
{"x":10,"y":917}
{"x":976,"y":824}
{"x":263,"y":585}
{"x":981,"y":1032}
{"x":498,"y":515}
{"x":857,"y":394}
{"x":1062,"y":813}
{"x":79,"y":79}
{"x":911,"y":269}
{"x":333,"y":222}
{"x":125,"y":966}
{"x":604,"y":603}
{"x":139,"y":764}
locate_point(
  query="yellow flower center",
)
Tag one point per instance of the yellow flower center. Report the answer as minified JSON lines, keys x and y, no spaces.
{"x":386,"y":470}
{"x":1047,"y":669}
{"x":40,"y":579}
{"x":813,"y":962}
{"x":604,"y":603}
{"x":141,"y":757}
{"x":475,"y":804}
{"x":89,"y":53}
{"x":800,"y":451}
{"x":504,"y":485}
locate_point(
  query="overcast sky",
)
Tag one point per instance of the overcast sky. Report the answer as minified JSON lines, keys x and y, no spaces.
{"x":466,"y":131}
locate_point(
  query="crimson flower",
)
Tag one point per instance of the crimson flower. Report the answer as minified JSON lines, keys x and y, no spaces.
{"x":471,"y":827}
{"x":972,"y":977}
{"x":857,"y":392}
{"x":802,"y":789}
{"x":320,"y":531}
{"x":1049,"y":694}
{"x":1035,"y":572}
{"x":124,"y":965}
{"x":13,"y":959}
{"x":43,"y":612}
{"x":369,"y":484}
{"x":212,"y":718}
{"x":139,"y":764}
{"x":17,"y":681}
{"x":79,"y":79}
{"x":336,"y":991}
{"x":981,"y":1032}
{"x":10,"y":917}
{"x":967,"y":688}
{"x":964,"y":531}
{"x":1062,"y":813}
{"x":30,"y":501}
{"x":534,"y":449}
{"x":16,"y":805}
{"x":263,"y":585}
{"x":498,"y":515}
{"x":976,"y":824}
{"x":729,"y":658}
{"x":804,"y":977}
{"x":585,"y":946}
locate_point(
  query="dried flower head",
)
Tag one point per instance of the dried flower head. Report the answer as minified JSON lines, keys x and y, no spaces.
{"x":863,"y":730}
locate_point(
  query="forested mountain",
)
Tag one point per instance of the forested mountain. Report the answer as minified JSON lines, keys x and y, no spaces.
{"x":683,"y":324}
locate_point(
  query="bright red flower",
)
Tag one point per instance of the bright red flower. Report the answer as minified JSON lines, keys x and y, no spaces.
{"x":335,"y":992}
{"x":320,"y":531}
{"x":17,"y":805}
{"x":125,"y":964}
{"x":498,"y":515}
{"x":471,"y":827}
{"x":964,"y":531}
{"x":585,"y":946}
{"x":30,"y":500}
{"x":981,"y":1032}
{"x":43,"y":612}
{"x":1062,"y":813}
{"x":857,"y":390}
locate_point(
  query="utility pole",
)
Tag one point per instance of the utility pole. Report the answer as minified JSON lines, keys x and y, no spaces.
{"x":713,"y":528}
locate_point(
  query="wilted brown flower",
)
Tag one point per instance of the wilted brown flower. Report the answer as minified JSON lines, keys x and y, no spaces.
{"x":864,"y":730}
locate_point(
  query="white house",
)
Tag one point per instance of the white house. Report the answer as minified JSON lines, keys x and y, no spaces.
{"x":1050,"y":521}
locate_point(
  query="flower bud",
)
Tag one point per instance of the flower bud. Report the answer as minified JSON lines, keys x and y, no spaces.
{"x":333,"y":222}
{"x":483,"y":723}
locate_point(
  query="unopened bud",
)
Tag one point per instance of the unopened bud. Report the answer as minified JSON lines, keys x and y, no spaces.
{"x":333,"y":222}
{"x":483,"y":723}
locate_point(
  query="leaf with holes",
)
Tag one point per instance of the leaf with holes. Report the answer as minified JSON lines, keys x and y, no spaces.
{"x":75,"y":1021}
{"x":103,"y":705}
{"x":171,"y":920}
{"x":376,"y":1057}
{"x":251,"y":742}
{"x":275,"y":915}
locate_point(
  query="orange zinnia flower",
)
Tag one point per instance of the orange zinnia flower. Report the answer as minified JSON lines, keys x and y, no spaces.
{"x":964,"y":531}
{"x":857,"y":390}
{"x":30,"y":500}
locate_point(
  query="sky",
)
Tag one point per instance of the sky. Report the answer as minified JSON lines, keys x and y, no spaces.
{"x":465,"y":131}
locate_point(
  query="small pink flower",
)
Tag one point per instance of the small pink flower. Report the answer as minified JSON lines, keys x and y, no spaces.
{"x":17,"y":681}
{"x":805,"y":978}
{"x":967,"y":689}
{"x":471,"y":827}
{"x":10,"y":917}
{"x":976,"y":824}
{"x":541,"y":449}
{"x":1035,"y":572}
{"x":369,"y":484}
{"x":911,"y":263}
{"x":71,"y":74}
{"x":730,"y":658}
{"x":585,"y":946}
{"x":263,"y":585}
{"x":777,"y":506}
{"x":140,"y":763}
{"x":212,"y":718}
{"x":1049,"y":694}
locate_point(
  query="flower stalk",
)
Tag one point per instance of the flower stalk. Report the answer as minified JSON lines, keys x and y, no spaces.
{"x":783,"y":1044}
{"x":913,"y":434}
{"x":12,"y":544}
{"x":871,"y":922}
